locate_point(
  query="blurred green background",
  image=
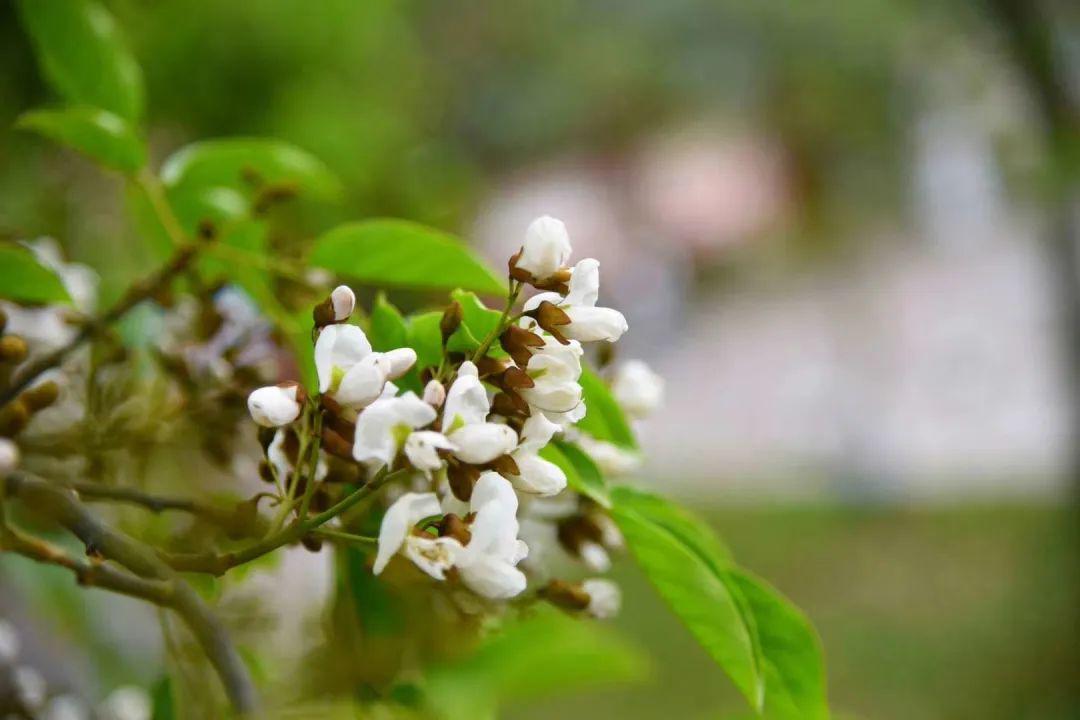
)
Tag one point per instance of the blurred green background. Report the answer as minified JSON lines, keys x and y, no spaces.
{"x":733,"y":164}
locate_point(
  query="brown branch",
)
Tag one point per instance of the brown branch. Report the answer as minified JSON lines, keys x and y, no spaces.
{"x":61,"y":505}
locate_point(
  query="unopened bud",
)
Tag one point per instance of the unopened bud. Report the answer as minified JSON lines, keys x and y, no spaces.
{"x":566,"y":595}
{"x":9,"y":457}
{"x":12,"y":349}
{"x":276,"y":405}
{"x":451,"y":321}
{"x":435,"y":394}
{"x":40,"y":396}
{"x":605,"y":598}
{"x":336,"y":308}
{"x":13,"y":418}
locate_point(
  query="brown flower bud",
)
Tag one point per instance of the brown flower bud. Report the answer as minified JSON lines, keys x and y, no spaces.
{"x":13,"y":418}
{"x":453,"y":526}
{"x":517,"y":273}
{"x":266,"y":473}
{"x":510,"y":404}
{"x":516,"y":341}
{"x":12,"y":349}
{"x":312,"y":543}
{"x":266,"y":436}
{"x":462,"y":478}
{"x":451,"y":321}
{"x":40,"y":396}
{"x":566,"y":595}
{"x":335,"y":444}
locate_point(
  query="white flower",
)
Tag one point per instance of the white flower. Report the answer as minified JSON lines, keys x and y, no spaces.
{"x":638,"y":389}
{"x":127,"y":703}
{"x":9,"y":460}
{"x":431,"y":554}
{"x":588,"y":323}
{"x":604,"y":598}
{"x":383,"y":427}
{"x":343,"y":301}
{"x":594,"y":556}
{"x":278,"y":457}
{"x":465,"y":421}
{"x":30,"y":687}
{"x":555,"y":370}
{"x":422,"y":448}
{"x":487,"y":565}
{"x":275,"y":405}
{"x":610,"y":458}
{"x":546,"y":249}
{"x":350,"y":371}
{"x":537,"y":475}
{"x":434,"y":393}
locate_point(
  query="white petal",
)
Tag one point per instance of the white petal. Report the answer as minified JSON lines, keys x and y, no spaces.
{"x":584,"y":284}
{"x":610,"y":458}
{"x":605,"y":598}
{"x":128,"y":703}
{"x":399,"y":519}
{"x":483,"y":442}
{"x":344,"y":300}
{"x":638,"y":389}
{"x":546,"y":248}
{"x":493,"y":486}
{"x":434,"y":393}
{"x":363,"y":383}
{"x":536,"y":433}
{"x":550,"y":394}
{"x":493,"y":578}
{"x":594,"y":556}
{"x":538,"y":476}
{"x":434,"y":555}
{"x":534,"y":302}
{"x":9,"y":460}
{"x":376,"y":427}
{"x":592,"y":324}
{"x":466,"y":401}
{"x":340,"y":346}
{"x":421,"y":447}
{"x":274,"y":405}
{"x":566,"y":419}
{"x":399,"y":361}
{"x":278,"y":459}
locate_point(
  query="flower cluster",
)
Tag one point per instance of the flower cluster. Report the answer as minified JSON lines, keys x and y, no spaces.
{"x":470,"y":445}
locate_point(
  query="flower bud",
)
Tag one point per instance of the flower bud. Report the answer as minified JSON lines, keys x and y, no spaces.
{"x":566,"y":595}
{"x":604,"y":598}
{"x":276,"y":405}
{"x":13,"y":418}
{"x":637,"y":388}
{"x":546,"y":249}
{"x":435,"y":393}
{"x":41,"y":396}
{"x":336,"y":308}
{"x":9,"y":457}
{"x":12,"y":349}
{"x":451,"y":321}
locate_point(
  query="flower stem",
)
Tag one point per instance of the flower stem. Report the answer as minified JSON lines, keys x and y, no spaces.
{"x":504,"y":321}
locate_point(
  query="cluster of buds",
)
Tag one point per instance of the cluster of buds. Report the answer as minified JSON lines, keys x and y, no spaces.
{"x":472,"y":440}
{"x":16,"y":414}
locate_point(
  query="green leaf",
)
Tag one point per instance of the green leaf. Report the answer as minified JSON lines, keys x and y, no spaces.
{"x":99,"y":134}
{"x":398,"y":253}
{"x":684,"y":525}
{"x":212,"y":178}
{"x":477,"y":322}
{"x":423,"y":336}
{"x":543,"y":655}
{"x":162,"y":701}
{"x":604,"y":419}
{"x":582,"y":475}
{"x":83,"y":55}
{"x":387,"y":330}
{"x":24,"y":279}
{"x":790,"y":650}
{"x":704,"y":599}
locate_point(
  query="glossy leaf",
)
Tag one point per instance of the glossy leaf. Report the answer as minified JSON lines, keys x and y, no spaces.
{"x":477,"y":321}
{"x":83,"y":55}
{"x":543,"y":655}
{"x":684,"y":525}
{"x":425,"y":338}
{"x":387,"y":329}
{"x":99,"y":134}
{"x":398,"y":253}
{"x":582,"y":475}
{"x":713,"y":611}
{"x":790,"y":650}
{"x":604,"y":419}
{"x":24,"y":279}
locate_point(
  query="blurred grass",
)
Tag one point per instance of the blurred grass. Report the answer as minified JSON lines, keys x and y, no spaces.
{"x":957,"y":612}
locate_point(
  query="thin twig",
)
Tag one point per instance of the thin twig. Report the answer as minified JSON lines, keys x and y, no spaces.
{"x":511,"y":298}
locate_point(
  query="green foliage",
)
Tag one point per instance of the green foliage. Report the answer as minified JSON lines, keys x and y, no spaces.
{"x":477,"y":321}
{"x":163,"y":705}
{"x":582,"y":475}
{"x":22,"y":278}
{"x":386,"y":329}
{"x":764,"y":643}
{"x":100,"y":134}
{"x":83,"y":55}
{"x":423,"y":336}
{"x":398,"y":253}
{"x":217,"y":179}
{"x":547,"y":653}
{"x":604,"y":418}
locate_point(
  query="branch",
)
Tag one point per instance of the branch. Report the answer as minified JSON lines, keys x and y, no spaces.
{"x":62,"y":506}
{"x":135,"y":294}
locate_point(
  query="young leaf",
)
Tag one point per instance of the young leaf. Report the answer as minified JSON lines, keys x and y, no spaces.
{"x":547,"y":653}
{"x":387,"y":329}
{"x":684,"y":525}
{"x":704,"y":600}
{"x":99,"y":134}
{"x":477,"y":321}
{"x":790,"y":651}
{"x":582,"y":475}
{"x":83,"y":55}
{"x":398,"y":253}
{"x":604,"y":419}
{"x":23,"y":279}
{"x":423,"y":336}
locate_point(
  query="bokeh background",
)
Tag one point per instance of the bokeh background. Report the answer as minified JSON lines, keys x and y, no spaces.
{"x":843,"y":231}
